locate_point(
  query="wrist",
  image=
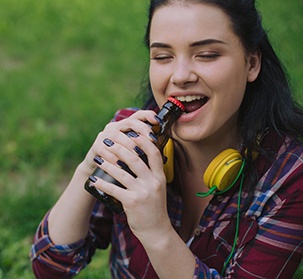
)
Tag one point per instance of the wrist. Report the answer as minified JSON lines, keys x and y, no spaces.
{"x":158,"y":240}
{"x":168,"y":250}
{"x":85,"y":169}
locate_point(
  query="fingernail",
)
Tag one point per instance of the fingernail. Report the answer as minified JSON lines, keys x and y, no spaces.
{"x":98,"y":160}
{"x":92,"y":179}
{"x":153,"y":136}
{"x":158,"y":118}
{"x":108,"y":142}
{"x":139,"y":151}
{"x":125,"y":167}
{"x":132,"y":134}
{"x":121,"y":164}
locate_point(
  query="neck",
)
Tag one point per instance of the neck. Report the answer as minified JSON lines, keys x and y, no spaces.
{"x":201,"y":153}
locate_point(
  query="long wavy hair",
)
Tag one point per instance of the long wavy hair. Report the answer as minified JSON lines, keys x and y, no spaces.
{"x":268,"y":102}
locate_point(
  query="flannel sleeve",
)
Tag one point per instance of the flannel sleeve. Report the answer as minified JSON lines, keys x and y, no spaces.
{"x":65,"y":261}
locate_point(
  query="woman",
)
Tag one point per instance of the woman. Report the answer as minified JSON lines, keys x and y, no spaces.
{"x":213,"y":56}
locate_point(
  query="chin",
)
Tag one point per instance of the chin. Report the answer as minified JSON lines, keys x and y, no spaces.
{"x":187,"y":135}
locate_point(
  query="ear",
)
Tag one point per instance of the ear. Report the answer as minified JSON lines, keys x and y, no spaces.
{"x":254,"y":64}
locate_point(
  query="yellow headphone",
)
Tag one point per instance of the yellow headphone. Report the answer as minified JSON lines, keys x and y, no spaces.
{"x":220,"y":175}
{"x":168,"y":153}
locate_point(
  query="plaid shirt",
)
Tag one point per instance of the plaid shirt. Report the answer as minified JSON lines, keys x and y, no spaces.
{"x":269,"y":244}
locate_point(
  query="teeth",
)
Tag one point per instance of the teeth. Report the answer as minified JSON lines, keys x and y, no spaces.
{"x":189,"y":98}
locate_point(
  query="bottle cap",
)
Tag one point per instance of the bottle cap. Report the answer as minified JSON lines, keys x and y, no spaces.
{"x":176,"y":102}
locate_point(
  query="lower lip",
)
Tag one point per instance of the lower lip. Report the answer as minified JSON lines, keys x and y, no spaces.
{"x":188,"y":117}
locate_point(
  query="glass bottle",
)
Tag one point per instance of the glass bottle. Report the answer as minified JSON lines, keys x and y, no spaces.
{"x":168,"y":114}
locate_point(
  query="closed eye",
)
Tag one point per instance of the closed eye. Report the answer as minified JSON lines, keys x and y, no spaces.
{"x":161,"y":57}
{"x":208,"y":56}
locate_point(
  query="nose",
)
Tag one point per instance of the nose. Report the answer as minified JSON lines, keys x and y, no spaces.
{"x":183,"y":73}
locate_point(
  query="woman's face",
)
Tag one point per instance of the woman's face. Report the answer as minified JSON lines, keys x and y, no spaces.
{"x":197,"y":58}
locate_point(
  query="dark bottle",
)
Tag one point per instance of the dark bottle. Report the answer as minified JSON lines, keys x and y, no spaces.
{"x":168,"y":114}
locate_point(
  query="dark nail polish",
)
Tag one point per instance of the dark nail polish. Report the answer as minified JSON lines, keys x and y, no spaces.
{"x":158,"y":119}
{"x":139,"y":151}
{"x":108,"y":142}
{"x":125,"y":167}
{"x":132,"y":134}
{"x":93,"y":179}
{"x":153,"y":136}
{"x":98,"y":160}
{"x":121,"y":164}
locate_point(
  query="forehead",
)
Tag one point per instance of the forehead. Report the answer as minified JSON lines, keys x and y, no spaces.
{"x":190,"y":20}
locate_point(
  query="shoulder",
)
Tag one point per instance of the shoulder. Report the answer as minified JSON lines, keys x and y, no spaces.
{"x":288,"y":158}
{"x":282,"y":155}
{"x":283,"y":164}
{"x":284,"y":174}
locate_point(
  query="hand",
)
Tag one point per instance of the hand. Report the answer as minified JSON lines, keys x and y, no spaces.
{"x":144,"y":199}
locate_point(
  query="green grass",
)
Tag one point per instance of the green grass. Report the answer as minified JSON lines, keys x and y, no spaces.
{"x":65,"y":68}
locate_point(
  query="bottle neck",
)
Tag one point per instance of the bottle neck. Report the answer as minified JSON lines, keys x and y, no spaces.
{"x":166,"y":118}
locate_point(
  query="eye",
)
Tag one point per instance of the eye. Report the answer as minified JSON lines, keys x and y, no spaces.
{"x":161,"y":57}
{"x":208,"y":55}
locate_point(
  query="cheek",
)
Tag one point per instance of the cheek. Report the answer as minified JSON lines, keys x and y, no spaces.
{"x":230,"y":96}
{"x":230,"y":79}
{"x":228,"y":86}
{"x":158,"y":79}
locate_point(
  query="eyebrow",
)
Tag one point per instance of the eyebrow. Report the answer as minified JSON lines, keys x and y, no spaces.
{"x":159,"y":45}
{"x":206,"y":42}
{"x":194,"y":44}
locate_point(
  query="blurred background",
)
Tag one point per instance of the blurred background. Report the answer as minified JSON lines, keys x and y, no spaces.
{"x":65,"y":68}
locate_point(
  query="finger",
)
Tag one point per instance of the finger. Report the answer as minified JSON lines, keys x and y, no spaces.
{"x":136,"y":122}
{"x":133,"y":160}
{"x":103,"y":145}
{"x":114,"y":133}
{"x":147,"y":154}
{"x":113,"y":180}
{"x":145,"y":116}
{"x":102,"y":148}
{"x":108,"y":138}
{"x":155,"y":160}
{"x":112,"y":150}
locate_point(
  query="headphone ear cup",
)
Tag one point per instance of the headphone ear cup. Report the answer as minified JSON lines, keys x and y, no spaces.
{"x":168,"y":166}
{"x":223,"y":169}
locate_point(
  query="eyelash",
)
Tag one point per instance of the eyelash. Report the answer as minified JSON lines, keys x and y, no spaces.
{"x":201,"y":56}
{"x":161,"y":58}
{"x":208,"y":56}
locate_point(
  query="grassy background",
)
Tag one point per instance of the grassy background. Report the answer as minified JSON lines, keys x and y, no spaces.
{"x":65,"y":67}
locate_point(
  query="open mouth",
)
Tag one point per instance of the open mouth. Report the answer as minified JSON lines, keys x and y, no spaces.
{"x":192,"y":102}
